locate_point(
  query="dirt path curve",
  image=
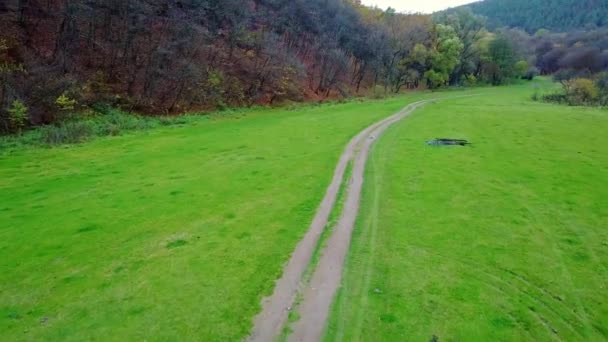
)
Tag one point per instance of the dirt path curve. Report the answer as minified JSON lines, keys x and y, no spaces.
{"x":318,"y":295}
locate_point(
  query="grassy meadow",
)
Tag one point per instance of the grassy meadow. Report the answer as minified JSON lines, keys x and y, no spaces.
{"x":504,"y":240}
{"x":173,"y":233}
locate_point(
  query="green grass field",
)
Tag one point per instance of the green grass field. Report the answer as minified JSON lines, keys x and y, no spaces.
{"x":505,"y":240}
{"x":169,"y":234}
{"x":177,"y":233}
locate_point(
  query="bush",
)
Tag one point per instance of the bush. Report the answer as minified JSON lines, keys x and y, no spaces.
{"x":71,"y":132}
{"x":535,"y":96}
{"x":65,"y":103}
{"x":469,"y":80}
{"x":555,"y":98}
{"x":581,"y":91}
{"x":578,"y":92}
{"x":531,"y":73}
{"x":521,"y":68}
{"x":601,"y":83}
{"x":17,"y":116}
{"x":378,"y":92}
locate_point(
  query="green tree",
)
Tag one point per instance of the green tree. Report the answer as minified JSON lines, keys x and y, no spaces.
{"x":65,"y":103}
{"x":521,"y":68}
{"x":470,"y":29}
{"x":444,"y":56}
{"x":502,"y":59}
{"x":17,"y":115}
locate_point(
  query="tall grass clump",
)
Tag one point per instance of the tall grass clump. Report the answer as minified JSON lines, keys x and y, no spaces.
{"x":78,"y":128}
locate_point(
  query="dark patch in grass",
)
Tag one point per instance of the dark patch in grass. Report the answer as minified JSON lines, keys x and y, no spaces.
{"x":434,"y":338}
{"x":136,"y":311}
{"x":230,"y":215}
{"x":502,"y":322}
{"x":14,"y":315}
{"x":175,"y":192}
{"x":72,"y":278}
{"x":119,"y":269}
{"x":88,"y":228}
{"x":177,"y":244}
{"x":571,"y":241}
{"x":388,"y":318}
{"x":243,"y":235}
{"x":448,"y":142}
{"x":580,"y":257}
{"x":601,"y":329}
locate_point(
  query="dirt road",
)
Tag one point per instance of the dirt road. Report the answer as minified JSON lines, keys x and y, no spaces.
{"x":319,"y":293}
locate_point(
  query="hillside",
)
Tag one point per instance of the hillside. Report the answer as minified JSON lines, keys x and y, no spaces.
{"x":158,"y":56}
{"x":62,"y":60}
{"x":532,"y":15}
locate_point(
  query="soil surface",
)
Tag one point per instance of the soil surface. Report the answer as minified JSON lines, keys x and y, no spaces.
{"x":319,"y":293}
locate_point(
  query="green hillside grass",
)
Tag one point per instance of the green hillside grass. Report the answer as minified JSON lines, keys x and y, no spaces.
{"x":170,"y":234}
{"x":504,"y":240}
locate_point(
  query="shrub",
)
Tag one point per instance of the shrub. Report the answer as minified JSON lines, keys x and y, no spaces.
{"x":578,"y":92}
{"x":67,"y":133}
{"x":378,"y":92}
{"x":65,"y":103}
{"x":435,"y":79}
{"x":17,"y":115}
{"x":470,"y":80}
{"x":521,"y":68}
{"x":531,"y":73}
{"x":535,"y":96}
{"x":601,"y":83}
{"x":581,"y":91}
{"x":556,"y":98}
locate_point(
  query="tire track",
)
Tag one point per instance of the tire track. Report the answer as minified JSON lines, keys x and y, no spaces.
{"x":273,"y":316}
{"x":319,"y":294}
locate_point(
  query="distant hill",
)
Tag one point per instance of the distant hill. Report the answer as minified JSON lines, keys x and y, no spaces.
{"x":532,"y":15}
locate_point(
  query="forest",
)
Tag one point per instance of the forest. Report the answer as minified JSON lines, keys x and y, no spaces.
{"x":62,"y":59}
{"x":534,"y":15}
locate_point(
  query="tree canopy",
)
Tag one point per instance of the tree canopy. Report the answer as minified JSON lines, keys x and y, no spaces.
{"x":61,"y":57}
{"x":534,"y":15}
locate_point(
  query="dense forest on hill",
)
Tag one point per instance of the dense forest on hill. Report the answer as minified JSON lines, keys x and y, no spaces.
{"x":63,"y":59}
{"x":533,"y":15}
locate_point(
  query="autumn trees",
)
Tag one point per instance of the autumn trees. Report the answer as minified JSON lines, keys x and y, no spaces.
{"x":157,"y":56}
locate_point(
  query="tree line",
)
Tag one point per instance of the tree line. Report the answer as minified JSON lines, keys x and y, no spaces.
{"x":63,"y":58}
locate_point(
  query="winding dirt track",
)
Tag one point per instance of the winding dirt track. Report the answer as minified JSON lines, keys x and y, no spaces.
{"x":318,"y":294}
